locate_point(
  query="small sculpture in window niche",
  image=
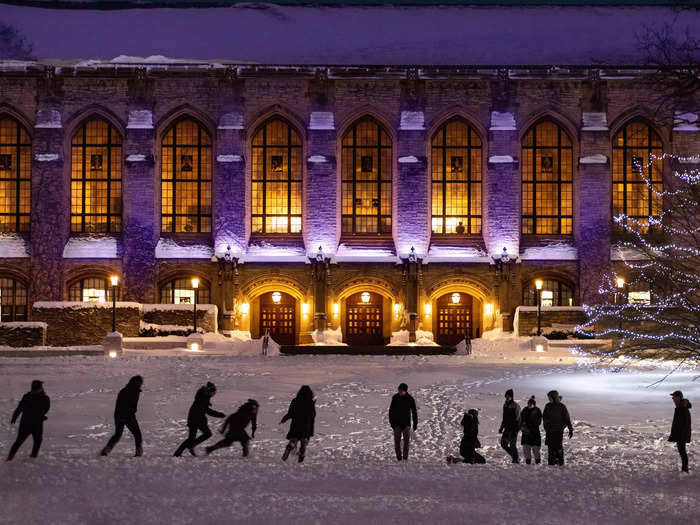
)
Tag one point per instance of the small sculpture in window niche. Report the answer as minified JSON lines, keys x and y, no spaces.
{"x":185,"y":162}
{"x":358,"y":202}
{"x":460,"y":229}
{"x":96,"y":162}
{"x":547,"y":164}
{"x":375,"y":203}
{"x":456,"y":164}
{"x":367,"y":164}
{"x":5,"y":162}
{"x":276,"y":164}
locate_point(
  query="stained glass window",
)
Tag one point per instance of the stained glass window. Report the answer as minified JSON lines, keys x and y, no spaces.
{"x":15,"y":176}
{"x":180,"y":291}
{"x":637,"y":175}
{"x":186,"y":167}
{"x":366,"y":179}
{"x":554,"y":293}
{"x":456,"y":180}
{"x":96,"y":178}
{"x":547,"y":180}
{"x":277,"y":178}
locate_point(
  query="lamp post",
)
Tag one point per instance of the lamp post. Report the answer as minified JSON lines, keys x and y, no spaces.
{"x":538,"y":285}
{"x":195,"y":286}
{"x":620,"y":282}
{"x":114,"y":280}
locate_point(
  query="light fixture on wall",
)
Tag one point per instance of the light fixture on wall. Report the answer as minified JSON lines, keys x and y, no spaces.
{"x":397,"y":310}
{"x":428,"y":309}
{"x":336,"y":309}
{"x":244,"y":309}
{"x":365,"y":297}
{"x":456,"y":298}
{"x":488,"y":309}
{"x":305,"y":308}
{"x":276,"y":297}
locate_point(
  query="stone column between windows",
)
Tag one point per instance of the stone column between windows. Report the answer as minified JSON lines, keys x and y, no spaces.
{"x":592,"y":206}
{"x":140,"y":214}
{"x":502,"y":205}
{"x":50,"y":207}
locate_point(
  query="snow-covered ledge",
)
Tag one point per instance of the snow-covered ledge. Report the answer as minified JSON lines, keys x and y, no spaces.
{"x":233,"y":120}
{"x":140,"y":119}
{"x":686,"y":122}
{"x":48,"y":118}
{"x":96,"y":247}
{"x":318,"y":159}
{"x":501,"y":159}
{"x":229,"y":158}
{"x":502,"y":121}
{"x":592,"y":121}
{"x":47,"y":157}
{"x":412,"y":121}
{"x":594,"y":159}
{"x":625,"y":253}
{"x":551,"y":252}
{"x":136,"y":157}
{"x":171,"y":249}
{"x":322,"y":120}
{"x":410,"y":159}
{"x":12,"y":245}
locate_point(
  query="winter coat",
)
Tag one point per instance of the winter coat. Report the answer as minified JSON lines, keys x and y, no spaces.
{"x":201,"y":408}
{"x":401,"y":410}
{"x":556,"y":417}
{"x":302,"y":412}
{"x":511,"y":417}
{"x":471,"y":432}
{"x":680,"y":428}
{"x":235,"y":424}
{"x":127,"y":402}
{"x":34,"y":406}
{"x":530,"y":421}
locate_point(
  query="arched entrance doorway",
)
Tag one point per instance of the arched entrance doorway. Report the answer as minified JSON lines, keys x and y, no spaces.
{"x":454,"y":318}
{"x":364,"y":319}
{"x":277,"y":314}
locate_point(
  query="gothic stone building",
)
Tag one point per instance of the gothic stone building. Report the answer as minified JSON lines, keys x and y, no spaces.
{"x":368,"y":198}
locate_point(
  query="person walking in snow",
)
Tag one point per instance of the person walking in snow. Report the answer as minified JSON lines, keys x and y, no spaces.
{"x":34,"y":406}
{"x":556,"y":418}
{"x":302,"y":412}
{"x":197,"y":419}
{"x":530,"y":421}
{"x":470,"y":440}
{"x":266,"y":341}
{"x":510,"y":425}
{"x":680,"y":427}
{"x":402,"y":408}
{"x":234,"y":427}
{"x":125,"y":416}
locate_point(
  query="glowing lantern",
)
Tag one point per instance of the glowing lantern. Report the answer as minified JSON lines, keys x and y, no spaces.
{"x":365,"y":297}
{"x":456,"y":298}
{"x":276,"y":297}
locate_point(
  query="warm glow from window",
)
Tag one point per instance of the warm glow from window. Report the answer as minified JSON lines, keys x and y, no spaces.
{"x":15,"y":177}
{"x":96,"y":178}
{"x":184,"y":296}
{"x":547,"y":181}
{"x":456,"y":180}
{"x":547,"y":297}
{"x":365,"y":297}
{"x":643,"y":297}
{"x":185,"y":169}
{"x":93,"y":295}
{"x":277,"y":178}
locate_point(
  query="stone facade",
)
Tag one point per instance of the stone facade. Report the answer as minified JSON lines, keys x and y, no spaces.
{"x":23,"y":335}
{"x":527,"y":318}
{"x":321,"y":103}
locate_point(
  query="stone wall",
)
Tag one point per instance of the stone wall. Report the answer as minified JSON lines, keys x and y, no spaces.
{"x":181,"y":315}
{"x":23,"y":335}
{"x":527,"y":317}
{"x":73,"y":323}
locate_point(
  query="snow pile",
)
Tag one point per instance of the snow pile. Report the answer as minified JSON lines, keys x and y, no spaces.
{"x":238,"y":335}
{"x":79,"y":305}
{"x":439,"y":253}
{"x":265,"y":251}
{"x":423,"y":338}
{"x":12,"y":245}
{"x":351,"y":253}
{"x":155,"y":330}
{"x":209,"y":308}
{"x":92,"y":247}
{"x":328,"y":337}
{"x":168,"y":248}
{"x":556,"y":251}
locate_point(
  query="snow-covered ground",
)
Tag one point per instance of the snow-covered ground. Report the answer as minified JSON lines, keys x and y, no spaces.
{"x":620,"y":469}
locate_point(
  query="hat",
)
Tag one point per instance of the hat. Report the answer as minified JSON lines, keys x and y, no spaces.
{"x":211,"y":386}
{"x":532,"y":400}
{"x":253,"y":402}
{"x":404,"y":387}
{"x":37,"y":385}
{"x":509,"y":392}
{"x":678,"y":393}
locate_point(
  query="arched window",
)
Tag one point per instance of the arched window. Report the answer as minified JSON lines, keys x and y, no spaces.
{"x":277,"y":175}
{"x":366,"y":178}
{"x":13,"y":300}
{"x":180,"y":291}
{"x":456,"y":180}
{"x":90,"y":290}
{"x":637,"y":176}
{"x":554,"y":293}
{"x":96,"y":178}
{"x":547,"y":172}
{"x":186,"y":178}
{"x":15,"y":176}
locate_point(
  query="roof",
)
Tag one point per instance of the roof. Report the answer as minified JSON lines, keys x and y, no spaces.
{"x":383,"y":35}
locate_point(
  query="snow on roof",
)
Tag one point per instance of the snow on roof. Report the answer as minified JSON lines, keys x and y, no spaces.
{"x":96,"y":247}
{"x":13,"y":246}
{"x":557,"y":251}
{"x":77,"y":305}
{"x":171,"y":249}
{"x":364,"y":254}
{"x":264,"y":251}
{"x":452,"y":254}
{"x":209,"y":308}
{"x":379,"y":35}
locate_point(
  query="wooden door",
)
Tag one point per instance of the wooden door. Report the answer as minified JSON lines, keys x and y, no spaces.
{"x":454,"y":318}
{"x":277,"y":314}
{"x":363,"y":319}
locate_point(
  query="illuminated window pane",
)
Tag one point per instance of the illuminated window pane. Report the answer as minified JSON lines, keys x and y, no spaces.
{"x":180,"y":291}
{"x":547,"y":175}
{"x":637,"y":173}
{"x":554,"y":293}
{"x":186,"y":166}
{"x":13,"y":300}
{"x":366,"y":161}
{"x":96,"y":172}
{"x":456,"y":180}
{"x":90,"y":290}
{"x":15,"y":176}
